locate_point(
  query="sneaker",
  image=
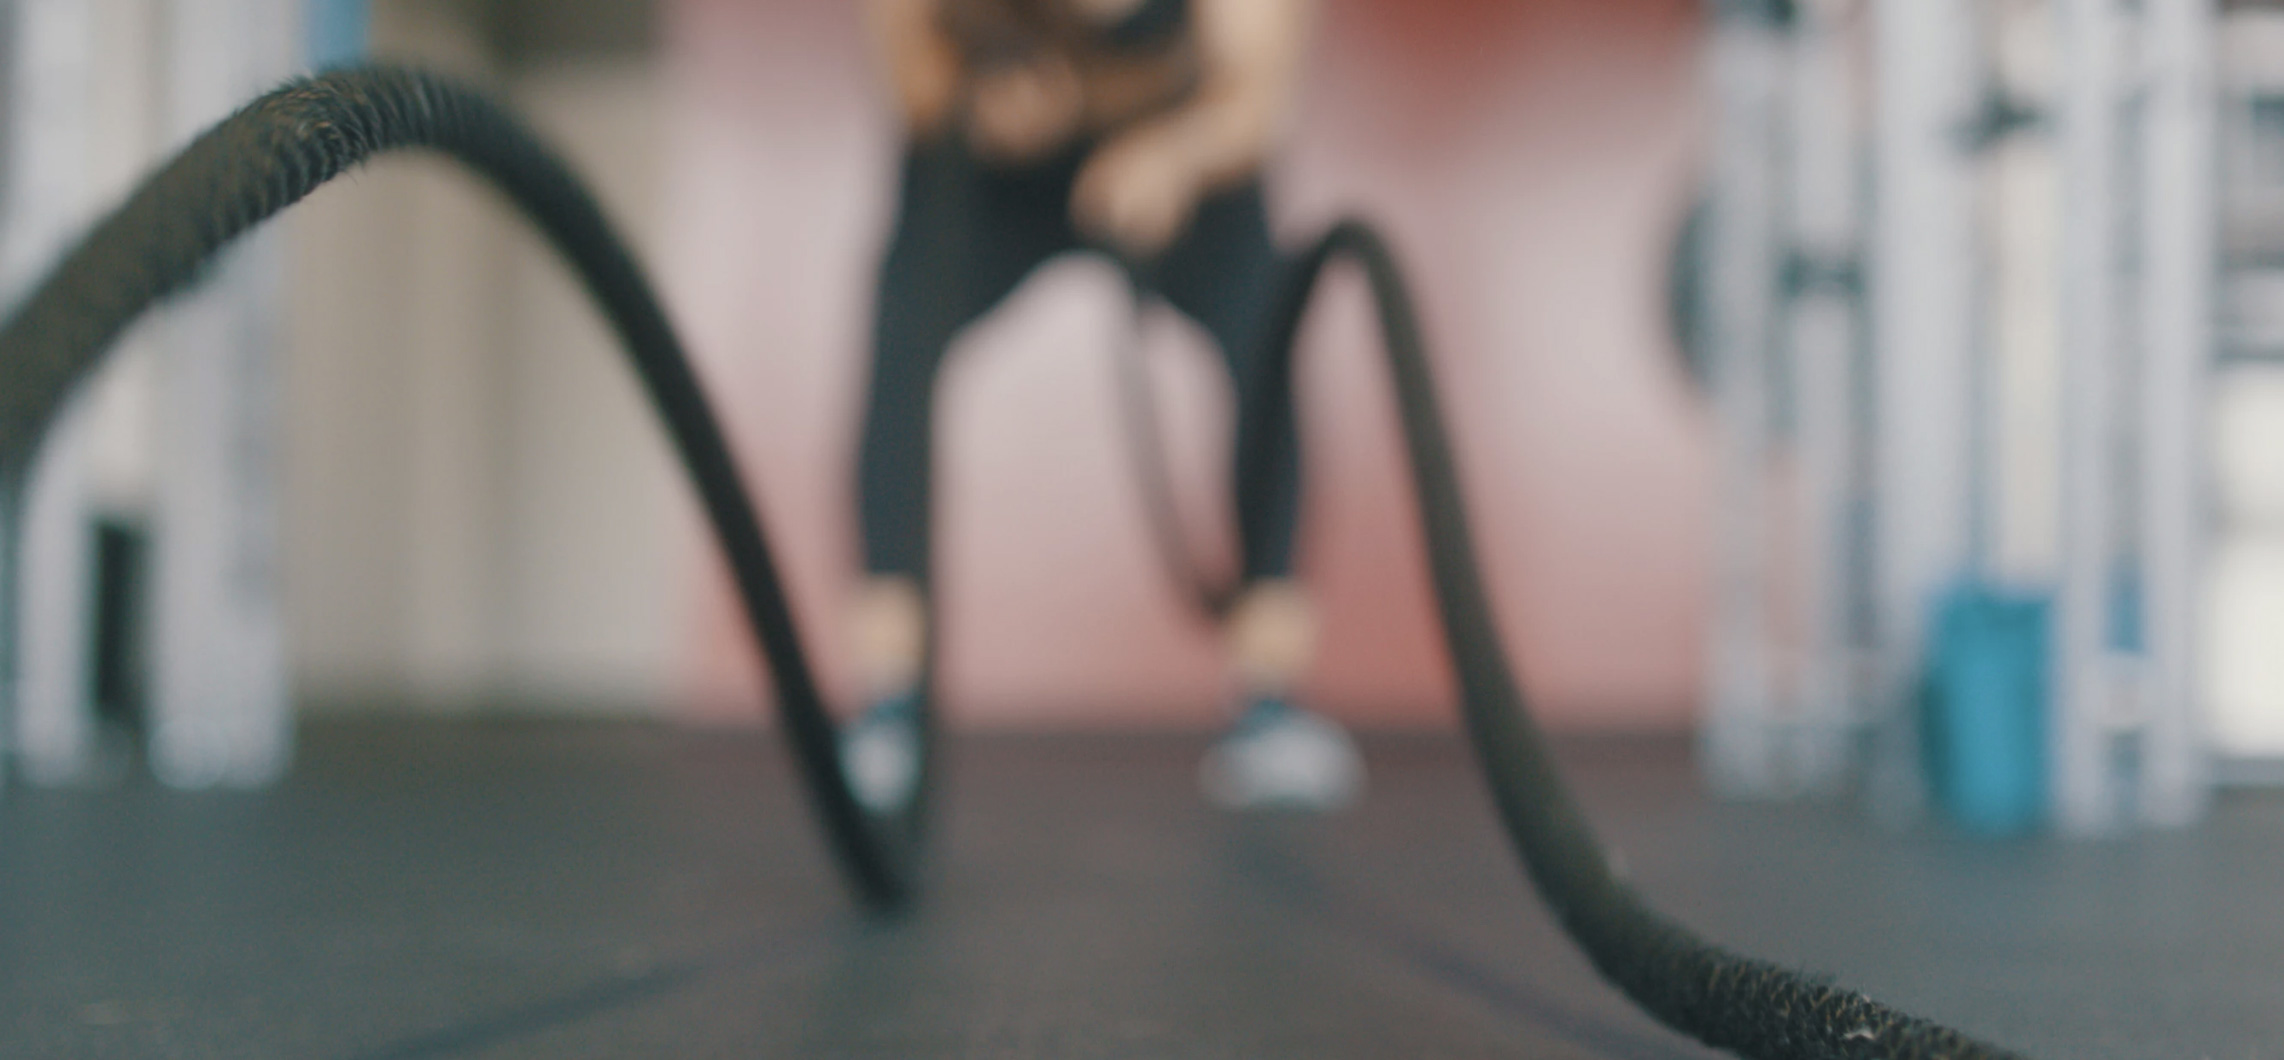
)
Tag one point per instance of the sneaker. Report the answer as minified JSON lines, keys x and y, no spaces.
{"x":880,"y":754}
{"x":1281,"y":757}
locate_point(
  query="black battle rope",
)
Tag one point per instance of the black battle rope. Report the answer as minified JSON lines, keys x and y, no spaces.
{"x":286,"y":144}
{"x":1138,"y":406}
{"x":1727,"y":1000}
{"x":282,"y":147}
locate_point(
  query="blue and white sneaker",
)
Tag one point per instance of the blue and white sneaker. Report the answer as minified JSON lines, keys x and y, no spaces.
{"x":1281,"y":757}
{"x":880,"y":753}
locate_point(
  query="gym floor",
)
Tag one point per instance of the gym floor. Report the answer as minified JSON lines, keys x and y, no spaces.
{"x":431,"y":889}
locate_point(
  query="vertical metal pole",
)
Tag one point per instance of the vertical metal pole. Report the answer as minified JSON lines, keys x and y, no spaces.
{"x":1923,"y":296}
{"x":9,"y":542}
{"x":2084,"y":799}
{"x":2024,"y":217}
{"x":220,"y":708}
{"x":50,"y":198}
{"x":1738,"y":735}
{"x":2179,"y":213}
{"x":1822,"y":341}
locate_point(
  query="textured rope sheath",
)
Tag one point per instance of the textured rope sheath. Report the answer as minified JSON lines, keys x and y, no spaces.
{"x":1212,"y":596}
{"x":282,"y":147}
{"x":1749,"y":1006}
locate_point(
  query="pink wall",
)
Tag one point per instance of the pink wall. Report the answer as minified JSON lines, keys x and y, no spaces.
{"x":1528,"y":158}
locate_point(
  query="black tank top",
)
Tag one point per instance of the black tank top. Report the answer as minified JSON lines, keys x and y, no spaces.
{"x":1010,"y":31}
{"x":1154,"y":25}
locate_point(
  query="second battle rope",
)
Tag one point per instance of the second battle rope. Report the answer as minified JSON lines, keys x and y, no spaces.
{"x":1727,"y":1000}
{"x":1211,"y":595}
{"x":286,"y":144}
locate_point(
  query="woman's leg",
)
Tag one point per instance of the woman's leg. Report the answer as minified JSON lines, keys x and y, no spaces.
{"x":1226,"y":274}
{"x":965,"y":236}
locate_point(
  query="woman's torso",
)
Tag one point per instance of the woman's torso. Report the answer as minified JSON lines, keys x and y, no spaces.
{"x":1141,"y":61}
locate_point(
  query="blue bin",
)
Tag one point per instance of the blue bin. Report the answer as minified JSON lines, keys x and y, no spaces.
{"x":1985,"y":708}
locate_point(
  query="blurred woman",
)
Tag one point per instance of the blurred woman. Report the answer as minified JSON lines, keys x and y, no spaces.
{"x":1134,"y":128}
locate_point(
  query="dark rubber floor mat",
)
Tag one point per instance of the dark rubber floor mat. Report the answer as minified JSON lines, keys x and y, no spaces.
{"x":596,"y":890}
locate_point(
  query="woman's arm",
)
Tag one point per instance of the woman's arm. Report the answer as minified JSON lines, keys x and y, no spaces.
{"x":1139,"y":189}
{"x":1012,"y":112}
{"x":922,"y":61}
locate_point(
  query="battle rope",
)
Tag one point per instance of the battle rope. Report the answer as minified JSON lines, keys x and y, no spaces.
{"x":1726,"y":1000}
{"x":1212,"y":597}
{"x":283,"y":146}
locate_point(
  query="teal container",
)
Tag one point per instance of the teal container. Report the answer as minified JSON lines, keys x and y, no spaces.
{"x":1986,"y":705}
